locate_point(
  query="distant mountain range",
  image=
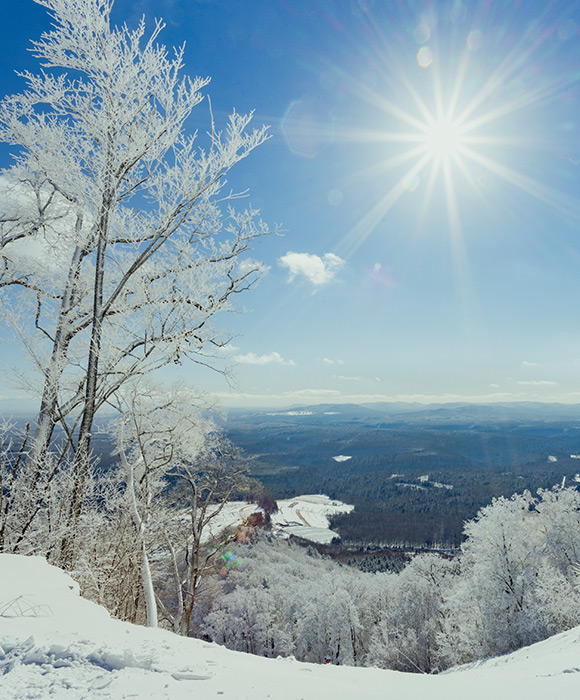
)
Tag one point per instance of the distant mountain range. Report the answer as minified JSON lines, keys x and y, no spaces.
{"x":459,"y":413}
{"x":415,"y":413}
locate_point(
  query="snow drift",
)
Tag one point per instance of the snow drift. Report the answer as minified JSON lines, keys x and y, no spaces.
{"x":54,"y":643}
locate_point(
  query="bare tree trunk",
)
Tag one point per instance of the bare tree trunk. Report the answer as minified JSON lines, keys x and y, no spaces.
{"x":146,"y":578}
{"x":82,"y":455}
{"x":147,"y":583}
{"x":26,"y":496}
{"x":48,"y":415}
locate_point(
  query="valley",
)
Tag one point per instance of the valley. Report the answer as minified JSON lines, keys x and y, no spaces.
{"x":414,"y":473}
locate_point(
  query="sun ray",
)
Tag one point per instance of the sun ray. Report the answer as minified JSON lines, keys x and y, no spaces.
{"x":376,"y":136}
{"x":444,"y":119}
{"x":359,"y":233}
{"x":439,"y":111}
{"x":513,"y":62}
{"x":458,"y":84}
{"x":382,"y":166}
{"x":544,"y":193}
{"x":527,"y":99}
{"x":454,"y":223}
{"x":467,"y":174}
{"x":430,"y":187}
{"x":419,"y":102}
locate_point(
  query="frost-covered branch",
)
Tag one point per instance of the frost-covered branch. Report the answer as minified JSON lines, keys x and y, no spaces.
{"x":114,"y":225}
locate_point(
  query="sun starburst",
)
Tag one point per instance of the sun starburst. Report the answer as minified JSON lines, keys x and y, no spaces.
{"x":449,"y":137}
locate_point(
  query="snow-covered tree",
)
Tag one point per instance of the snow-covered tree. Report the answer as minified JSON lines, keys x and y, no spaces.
{"x":12,"y":450}
{"x":177,"y":473}
{"x":206,"y":485}
{"x":159,"y":432}
{"x":488,"y":612}
{"x":517,"y":581}
{"x":291,"y":602}
{"x":115,"y":235}
{"x":557,"y":585}
{"x":406,"y":636}
{"x":519,"y":575}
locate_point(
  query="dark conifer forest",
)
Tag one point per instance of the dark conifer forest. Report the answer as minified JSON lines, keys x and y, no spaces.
{"x":414,"y":476}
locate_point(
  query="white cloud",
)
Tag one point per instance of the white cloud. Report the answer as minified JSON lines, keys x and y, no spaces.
{"x":316,"y":394}
{"x":313,"y":396}
{"x":251,"y":358}
{"x":317,"y":270}
{"x":225,"y":349}
{"x":247,"y":265}
{"x":525,"y":363}
{"x":541,"y":382}
{"x":328,"y":361}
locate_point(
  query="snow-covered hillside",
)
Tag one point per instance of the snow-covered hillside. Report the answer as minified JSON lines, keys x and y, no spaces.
{"x":55,"y":644}
{"x":303,"y":516}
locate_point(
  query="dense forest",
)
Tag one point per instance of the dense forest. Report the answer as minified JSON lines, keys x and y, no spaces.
{"x":413,"y":478}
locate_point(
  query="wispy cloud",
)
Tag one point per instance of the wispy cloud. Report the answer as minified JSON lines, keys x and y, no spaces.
{"x":525,"y":363}
{"x":225,"y":349}
{"x":314,"y":395}
{"x":328,"y":361}
{"x":317,"y":270}
{"x":251,"y":358}
{"x":541,"y":382}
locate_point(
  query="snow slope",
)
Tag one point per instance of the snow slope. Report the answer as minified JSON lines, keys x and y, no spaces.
{"x":54,"y":644}
{"x":303,"y":516}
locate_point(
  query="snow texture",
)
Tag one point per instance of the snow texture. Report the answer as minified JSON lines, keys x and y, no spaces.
{"x":55,"y":644}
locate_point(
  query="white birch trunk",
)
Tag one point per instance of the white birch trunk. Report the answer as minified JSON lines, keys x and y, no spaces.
{"x":146,"y":578}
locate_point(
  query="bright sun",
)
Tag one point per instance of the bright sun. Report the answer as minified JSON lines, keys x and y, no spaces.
{"x":443,"y":134}
{"x":443,"y":139}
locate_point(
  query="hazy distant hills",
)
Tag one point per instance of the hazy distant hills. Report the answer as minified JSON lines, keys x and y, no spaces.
{"x":415,"y":413}
{"x":459,"y":413}
{"x":483,"y":414}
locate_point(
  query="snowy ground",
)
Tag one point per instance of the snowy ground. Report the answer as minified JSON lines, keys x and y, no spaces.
{"x":304,"y":516}
{"x":54,"y":644}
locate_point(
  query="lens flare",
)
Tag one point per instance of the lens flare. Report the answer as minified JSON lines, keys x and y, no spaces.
{"x":425,"y":57}
{"x":229,"y":561}
{"x":474,"y":39}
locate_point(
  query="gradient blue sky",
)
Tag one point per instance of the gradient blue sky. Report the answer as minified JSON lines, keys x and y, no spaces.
{"x":399,"y":276}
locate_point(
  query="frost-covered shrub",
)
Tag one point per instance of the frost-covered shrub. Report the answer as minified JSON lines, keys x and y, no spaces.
{"x":282,"y":600}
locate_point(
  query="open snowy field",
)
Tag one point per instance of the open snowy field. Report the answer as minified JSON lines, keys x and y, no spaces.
{"x":303,"y":516}
{"x":54,"y":644}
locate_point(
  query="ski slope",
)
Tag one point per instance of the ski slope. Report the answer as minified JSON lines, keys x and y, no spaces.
{"x":303,"y":516}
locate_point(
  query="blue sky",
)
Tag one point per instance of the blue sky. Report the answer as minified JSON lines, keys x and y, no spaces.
{"x":424,"y":165}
